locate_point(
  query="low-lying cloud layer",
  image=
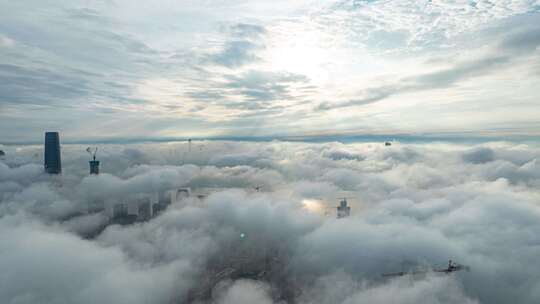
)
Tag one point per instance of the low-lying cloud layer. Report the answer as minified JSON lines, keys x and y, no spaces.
{"x":264,"y":228}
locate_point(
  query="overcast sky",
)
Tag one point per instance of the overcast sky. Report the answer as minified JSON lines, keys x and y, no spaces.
{"x":124,"y":69}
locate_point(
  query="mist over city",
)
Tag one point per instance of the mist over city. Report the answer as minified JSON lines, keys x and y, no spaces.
{"x":232,"y":151}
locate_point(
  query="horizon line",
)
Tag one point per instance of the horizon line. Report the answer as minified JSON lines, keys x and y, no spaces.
{"x":406,"y":137}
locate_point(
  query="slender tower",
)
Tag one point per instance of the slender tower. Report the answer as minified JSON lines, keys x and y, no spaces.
{"x":94,"y":164}
{"x":53,"y":164}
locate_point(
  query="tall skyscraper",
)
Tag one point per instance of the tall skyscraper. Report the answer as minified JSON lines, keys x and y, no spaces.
{"x":53,"y":164}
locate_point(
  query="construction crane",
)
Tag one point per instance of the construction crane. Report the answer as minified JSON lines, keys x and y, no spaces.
{"x":92,"y":152}
{"x":452,"y":267}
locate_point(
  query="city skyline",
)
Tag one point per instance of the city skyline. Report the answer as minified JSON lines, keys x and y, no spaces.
{"x":264,"y":214}
{"x":270,"y":151}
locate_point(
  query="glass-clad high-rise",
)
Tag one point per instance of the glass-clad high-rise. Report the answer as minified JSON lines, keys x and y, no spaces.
{"x":53,"y":164}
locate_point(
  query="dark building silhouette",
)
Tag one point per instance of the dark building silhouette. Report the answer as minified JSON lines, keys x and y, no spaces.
{"x":122,"y":216}
{"x":95,"y":206}
{"x":120,"y":210}
{"x":53,"y":164}
{"x":158,"y":209}
{"x":165,"y":198}
{"x":343,"y":210}
{"x":94,"y":166}
{"x":145,"y":211}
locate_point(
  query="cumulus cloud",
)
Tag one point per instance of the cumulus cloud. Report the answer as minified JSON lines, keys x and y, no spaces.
{"x":56,"y":267}
{"x":245,"y":291}
{"x":341,"y":287}
{"x":479,"y":155}
{"x":265,"y":228}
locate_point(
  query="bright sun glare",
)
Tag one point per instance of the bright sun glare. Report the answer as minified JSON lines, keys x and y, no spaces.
{"x":300,"y":59}
{"x":313,"y":205}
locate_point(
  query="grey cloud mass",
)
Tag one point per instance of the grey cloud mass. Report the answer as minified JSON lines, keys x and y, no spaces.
{"x":241,"y":48}
{"x":266,"y":86}
{"x":413,"y":206}
{"x":435,"y":104}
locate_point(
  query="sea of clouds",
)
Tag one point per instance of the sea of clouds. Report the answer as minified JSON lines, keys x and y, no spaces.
{"x":414,"y":206}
